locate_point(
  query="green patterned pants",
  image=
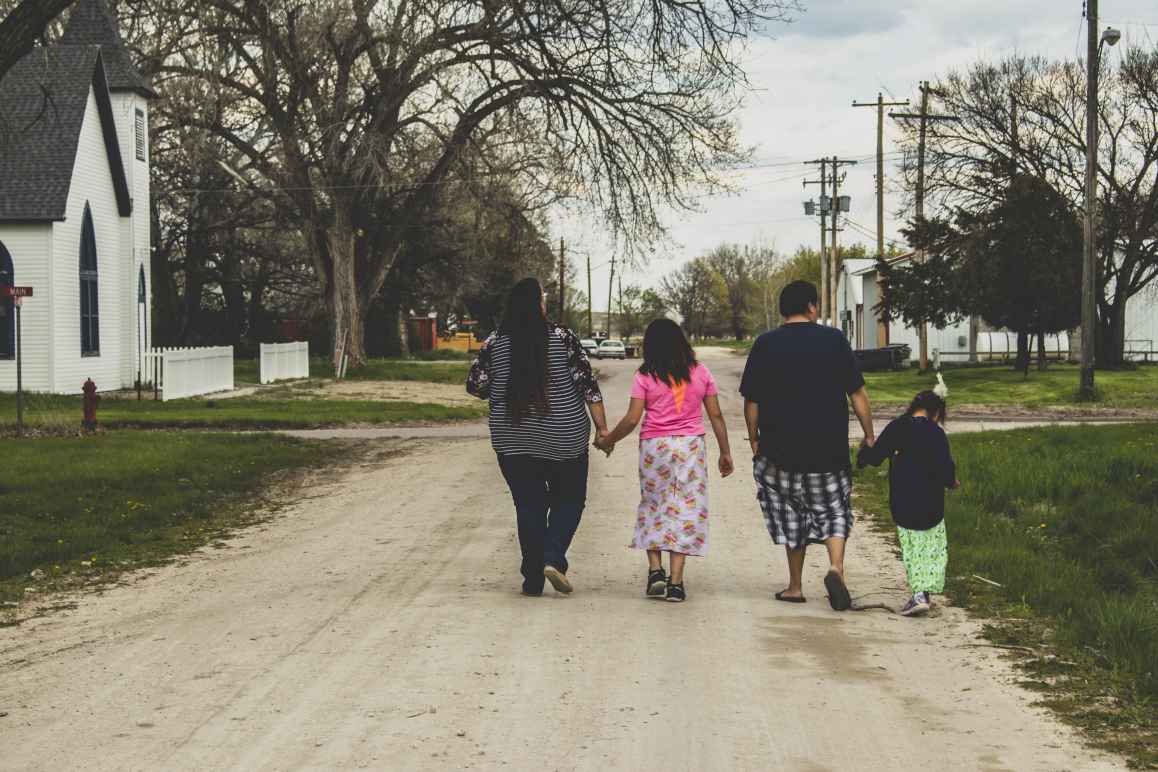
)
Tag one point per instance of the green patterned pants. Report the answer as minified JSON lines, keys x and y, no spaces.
{"x":925,"y":554}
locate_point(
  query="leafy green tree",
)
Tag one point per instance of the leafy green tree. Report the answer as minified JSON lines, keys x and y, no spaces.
{"x":693,"y":292}
{"x":1016,"y":264}
{"x":736,"y":268}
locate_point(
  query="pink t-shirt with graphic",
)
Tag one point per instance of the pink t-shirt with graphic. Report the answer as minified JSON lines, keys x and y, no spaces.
{"x":674,"y":412}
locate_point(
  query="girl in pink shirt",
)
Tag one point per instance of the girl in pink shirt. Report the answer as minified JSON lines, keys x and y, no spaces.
{"x":669,"y":394}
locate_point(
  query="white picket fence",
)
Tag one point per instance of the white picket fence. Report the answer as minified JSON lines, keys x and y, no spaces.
{"x":284,"y":361}
{"x":178,"y":373}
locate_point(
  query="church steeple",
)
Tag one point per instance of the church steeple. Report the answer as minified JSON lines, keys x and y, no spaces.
{"x":91,"y":23}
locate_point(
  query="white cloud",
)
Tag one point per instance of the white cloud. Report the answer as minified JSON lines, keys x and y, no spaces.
{"x":805,"y":76}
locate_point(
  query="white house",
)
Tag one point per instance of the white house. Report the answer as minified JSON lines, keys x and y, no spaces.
{"x":74,"y":209}
{"x":858,"y":292}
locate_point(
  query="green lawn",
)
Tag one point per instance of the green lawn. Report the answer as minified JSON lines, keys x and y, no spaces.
{"x":1065,"y":520}
{"x":1000,"y":385}
{"x":432,"y":367}
{"x":127,"y":498}
{"x":62,"y":413}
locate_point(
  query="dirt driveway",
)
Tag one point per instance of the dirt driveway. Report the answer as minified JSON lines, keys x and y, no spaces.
{"x":378,"y":625}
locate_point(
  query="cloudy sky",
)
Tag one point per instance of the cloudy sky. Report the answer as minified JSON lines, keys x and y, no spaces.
{"x":805,"y":77}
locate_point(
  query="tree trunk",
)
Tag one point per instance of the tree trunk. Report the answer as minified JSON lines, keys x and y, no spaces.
{"x":345,"y":302}
{"x":974,"y":332}
{"x":233,"y":293}
{"x":403,"y":331}
{"x":196,"y":256}
{"x":1022,"y":363}
{"x":1110,"y":330}
{"x":1042,"y":364}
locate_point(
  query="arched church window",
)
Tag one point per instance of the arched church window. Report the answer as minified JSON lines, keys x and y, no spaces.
{"x":90,"y":337}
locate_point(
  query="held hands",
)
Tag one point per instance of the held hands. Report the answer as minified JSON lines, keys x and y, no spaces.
{"x":601,"y":442}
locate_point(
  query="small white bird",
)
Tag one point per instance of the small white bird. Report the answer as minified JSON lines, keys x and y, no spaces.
{"x":941,"y":390}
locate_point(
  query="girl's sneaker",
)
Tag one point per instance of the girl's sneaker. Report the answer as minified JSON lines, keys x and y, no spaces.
{"x":918,"y":605}
{"x":656,"y":583}
{"x":675,"y":593}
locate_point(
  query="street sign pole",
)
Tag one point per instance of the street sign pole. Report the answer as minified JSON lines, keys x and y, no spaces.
{"x":19,"y":374}
{"x":18,"y":294}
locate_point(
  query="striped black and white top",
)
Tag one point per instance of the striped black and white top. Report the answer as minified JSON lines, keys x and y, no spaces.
{"x":563,"y":433}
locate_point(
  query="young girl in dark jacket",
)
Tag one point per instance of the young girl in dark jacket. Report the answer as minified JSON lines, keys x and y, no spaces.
{"x":921,"y":468}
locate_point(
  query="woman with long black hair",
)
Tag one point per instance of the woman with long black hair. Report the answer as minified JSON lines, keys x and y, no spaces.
{"x":540,"y":387}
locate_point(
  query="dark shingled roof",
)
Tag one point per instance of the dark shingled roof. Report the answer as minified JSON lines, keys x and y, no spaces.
{"x":42,"y":108}
{"x":91,"y":24}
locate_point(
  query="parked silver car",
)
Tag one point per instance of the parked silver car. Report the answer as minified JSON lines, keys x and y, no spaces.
{"x":611,"y":349}
{"x":589,"y":346}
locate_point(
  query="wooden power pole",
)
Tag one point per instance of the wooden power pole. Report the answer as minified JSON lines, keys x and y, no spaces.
{"x":562,"y":284}
{"x":590,"y":301}
{"x":610,"y":294}
{"x":880,"y":105}
{"x":924,"y":117}
{"x":1089,"y":256}
{"x":823,"y":182}
{"x":828,"y":257}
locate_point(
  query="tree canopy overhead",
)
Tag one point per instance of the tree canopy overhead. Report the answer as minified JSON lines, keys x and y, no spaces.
{"x":359,"y":111}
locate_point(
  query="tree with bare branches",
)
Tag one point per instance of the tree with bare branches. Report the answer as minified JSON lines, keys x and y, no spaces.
{"x":1027,"y":116}
{"x":369,"y":107}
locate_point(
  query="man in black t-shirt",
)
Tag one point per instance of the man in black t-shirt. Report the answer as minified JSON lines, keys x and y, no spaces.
{"x":797,"y":386}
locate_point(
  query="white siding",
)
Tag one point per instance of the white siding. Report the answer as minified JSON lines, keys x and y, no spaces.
{"x":137,"y":335}
{"x":30,"y":247}
{"x":92,"y":183}
{"x":1142,"y":320}
{"x":871,"y":297}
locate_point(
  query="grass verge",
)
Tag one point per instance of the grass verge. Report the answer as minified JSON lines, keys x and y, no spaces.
{"x":58,"y":414}
{"x":1065,"y":520}
{"x":1001,"y":385}
{"x":84,"y":509}
{"x":431,"y":367}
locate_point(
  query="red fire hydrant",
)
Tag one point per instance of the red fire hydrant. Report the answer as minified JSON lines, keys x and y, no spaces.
{"x":90,"y":405}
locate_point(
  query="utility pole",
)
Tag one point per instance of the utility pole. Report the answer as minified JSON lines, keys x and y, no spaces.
{"x":590,"y":302}
{"x":828,"y":257}
{"x":621,"y":305}
{"x":838,"y":205}
{"x":562,"y":284}
{"x":880,"y":105}
{"x":610,"y":294}
{"x":834,"y":260}
{"x":924,"y":117}
{"x":823,"y":182}
{"x":1089,"y":259}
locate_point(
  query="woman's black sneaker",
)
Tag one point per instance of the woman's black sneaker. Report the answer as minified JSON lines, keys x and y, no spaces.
{"x":656,"y":583}
{"x":675,"y":593}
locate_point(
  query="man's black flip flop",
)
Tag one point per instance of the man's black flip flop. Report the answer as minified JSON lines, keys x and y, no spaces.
{"x":838,"y":596}
{"x":780,"y":596}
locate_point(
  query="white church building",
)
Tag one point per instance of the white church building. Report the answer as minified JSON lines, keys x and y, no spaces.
{"x":74,"y":209}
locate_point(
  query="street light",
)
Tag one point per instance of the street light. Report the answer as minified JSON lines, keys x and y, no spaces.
{"x":1089,"y":257}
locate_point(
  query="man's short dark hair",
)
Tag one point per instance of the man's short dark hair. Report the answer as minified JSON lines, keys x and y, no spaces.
{"x":796,"y":297}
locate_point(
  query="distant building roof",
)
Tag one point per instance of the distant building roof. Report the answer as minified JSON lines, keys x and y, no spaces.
{"x":91,"y":24}
{"x":893,"y":260}
{"x":42,"y":108}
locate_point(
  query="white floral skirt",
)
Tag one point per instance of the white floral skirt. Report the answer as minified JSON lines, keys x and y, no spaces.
{"x":673,"y":485}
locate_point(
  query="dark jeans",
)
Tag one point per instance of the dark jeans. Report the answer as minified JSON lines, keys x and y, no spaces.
{"x":549,"y":499}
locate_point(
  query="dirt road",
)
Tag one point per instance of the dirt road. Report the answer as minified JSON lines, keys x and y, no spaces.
{"x":378,"y":625}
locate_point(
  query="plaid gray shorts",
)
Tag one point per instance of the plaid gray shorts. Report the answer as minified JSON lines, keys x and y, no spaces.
{"x":802,"y":508}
